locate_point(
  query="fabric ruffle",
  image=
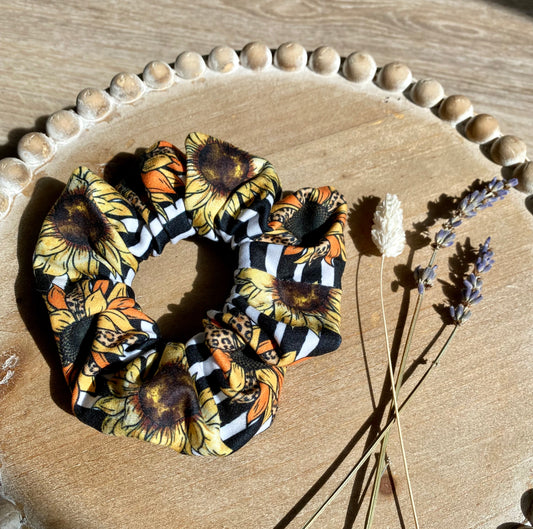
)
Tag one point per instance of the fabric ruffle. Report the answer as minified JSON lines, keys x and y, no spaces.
{"x":210,"y":395}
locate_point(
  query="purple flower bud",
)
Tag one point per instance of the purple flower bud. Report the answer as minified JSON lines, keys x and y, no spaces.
{"x":460,"y":314}
{"x":466,"y":317}
{"x":425,"y":277}
{"x":452,"y":312}
{"x":444,"y":238}
{"x":476,"y":298}
{"x":471,"y":293}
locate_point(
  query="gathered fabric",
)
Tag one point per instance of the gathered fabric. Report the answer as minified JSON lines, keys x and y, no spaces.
{"x":212,"y":394}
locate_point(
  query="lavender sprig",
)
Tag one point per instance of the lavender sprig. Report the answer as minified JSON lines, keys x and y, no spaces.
{"x":471,"y":293}
{"x":469,"y":206}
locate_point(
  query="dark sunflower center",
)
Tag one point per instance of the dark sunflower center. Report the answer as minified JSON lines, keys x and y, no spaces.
{"x":169,"y":397}
{"x":79,"y":221}
{"x":302,"y":296}
{"x":223,"y":166}
{"x":71,"y":341}
{"x":246,"y":362}
{"x":308,"y":224}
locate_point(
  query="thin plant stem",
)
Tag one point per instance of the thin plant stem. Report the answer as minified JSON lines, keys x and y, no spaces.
{"x":433,"y":256}
{"x":377,"y":480}
{"x":399,"y":381}
{"x":394,"y":397}
{"x":380,"y":437}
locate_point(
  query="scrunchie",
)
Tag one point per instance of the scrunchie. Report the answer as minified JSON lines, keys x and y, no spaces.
{"x":210,"y":395}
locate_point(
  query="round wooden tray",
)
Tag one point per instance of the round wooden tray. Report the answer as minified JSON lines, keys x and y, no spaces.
{"x":467,"y":431}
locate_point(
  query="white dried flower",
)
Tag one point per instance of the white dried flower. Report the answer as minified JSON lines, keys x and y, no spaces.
{"x":387,"y":230}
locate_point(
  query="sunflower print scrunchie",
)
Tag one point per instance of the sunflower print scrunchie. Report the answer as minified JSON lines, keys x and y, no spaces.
{"x":212,"y":394}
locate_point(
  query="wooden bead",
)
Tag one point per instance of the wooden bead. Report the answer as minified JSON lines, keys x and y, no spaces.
{"x":126,"y":87}
{"x":63,"y":125}
{"x":35,"y":148}
{"x":325,"y":61}
{"x":482,"y":128}
{"x":5,"y":202}
{"x":427,"y":93}
{"x":524,"y":174}
{"x":256,"y":56}
{"x":10,"y":516}
{"x":508,"y":150}
{"x":290,"y":57}
{"x":223,"y":59}
{"x":359,"y":67}
{"x":15,"y":175}
{"x":158,"y":75}
{"x":455,"y":109}
{"x":395,"y":77}
{"x":189,"y":65}
{"x":93,"y":104}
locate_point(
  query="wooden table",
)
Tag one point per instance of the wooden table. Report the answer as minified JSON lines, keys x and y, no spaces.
{"x":469,"y":434}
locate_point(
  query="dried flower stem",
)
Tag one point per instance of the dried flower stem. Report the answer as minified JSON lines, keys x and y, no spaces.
{"x":399,"y":381}
{"x":395,"y":404}
{"x":383,"y":433}
{"x":389,"y":237}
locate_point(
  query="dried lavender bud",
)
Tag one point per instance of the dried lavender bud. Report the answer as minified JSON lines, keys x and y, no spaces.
{"x":484,"y":261}
{"x":425,"y":277}
{"x":459,"y":314}
{"x":444,"y":238}
{"x":475,"y":281}
{"x":469,"y":206}
{"x":471,"y":293}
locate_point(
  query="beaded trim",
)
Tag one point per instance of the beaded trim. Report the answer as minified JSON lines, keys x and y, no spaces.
{"x":93,"y":104}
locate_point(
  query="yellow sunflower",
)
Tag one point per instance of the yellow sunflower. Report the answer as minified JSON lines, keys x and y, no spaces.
{"x":218,"y":171}
{"x":164,"y":408}
{"x":310,"y":222}
{"x":83,"y":230}
{"x":72,"y":313}
{"x":295,"y":303}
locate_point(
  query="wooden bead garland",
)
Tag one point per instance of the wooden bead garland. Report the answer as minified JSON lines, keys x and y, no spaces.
{"x":93,"y":104}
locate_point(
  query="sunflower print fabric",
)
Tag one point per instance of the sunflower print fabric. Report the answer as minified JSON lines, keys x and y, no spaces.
{"x":212,"y":394}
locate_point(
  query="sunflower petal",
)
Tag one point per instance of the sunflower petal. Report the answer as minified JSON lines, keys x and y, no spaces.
{"x":110,"y":405}
{"x":61,"y":319}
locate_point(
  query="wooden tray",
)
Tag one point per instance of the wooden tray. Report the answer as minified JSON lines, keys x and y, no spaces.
{"x":468,"y":430}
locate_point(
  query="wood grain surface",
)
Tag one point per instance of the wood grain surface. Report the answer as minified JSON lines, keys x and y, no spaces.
{"x":468,"y":432}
